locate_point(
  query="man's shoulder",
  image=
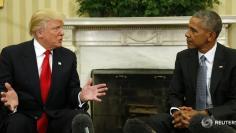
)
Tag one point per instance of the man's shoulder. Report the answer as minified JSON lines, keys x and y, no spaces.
{"x":227,"y":51}
{"x":187,"y":52}
{"x":229,"y":56}
{"x":18,"y":47}
{"x":65,"y":51}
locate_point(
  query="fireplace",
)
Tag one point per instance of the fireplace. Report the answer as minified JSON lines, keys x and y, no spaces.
{"x":132,"y":93}
{"x":128,"y":54}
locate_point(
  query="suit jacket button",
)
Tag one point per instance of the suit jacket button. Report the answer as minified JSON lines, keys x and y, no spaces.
{"x":36,"y":117}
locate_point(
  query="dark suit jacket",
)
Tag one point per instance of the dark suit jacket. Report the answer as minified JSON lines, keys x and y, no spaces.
{"x":223,"y":82}
{"x":18,"y":66}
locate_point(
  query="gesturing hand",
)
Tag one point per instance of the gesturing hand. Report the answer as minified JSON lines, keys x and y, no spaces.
{"x":9,"y":98}
{"x":92,"y":93}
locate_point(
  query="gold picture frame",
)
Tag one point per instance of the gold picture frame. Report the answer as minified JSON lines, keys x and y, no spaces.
{"x":1,"y":3}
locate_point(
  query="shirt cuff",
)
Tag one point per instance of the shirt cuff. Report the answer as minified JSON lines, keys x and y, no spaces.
{"x":80,"y":103}
{"x":173,"y":109}
{"x":14,"y":111}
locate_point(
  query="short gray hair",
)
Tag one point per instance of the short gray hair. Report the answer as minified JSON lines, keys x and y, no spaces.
{"x":211,"y":20}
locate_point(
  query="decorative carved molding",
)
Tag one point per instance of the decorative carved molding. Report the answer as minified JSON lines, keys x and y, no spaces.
{"x":132,"y":31}
{"x":69,"y":37}
{"x":124,"y":21}
{"x":144,"y":42}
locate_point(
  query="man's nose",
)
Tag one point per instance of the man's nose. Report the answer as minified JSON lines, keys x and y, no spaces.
{"x":62,"y":32}
{"x":187,"y":34}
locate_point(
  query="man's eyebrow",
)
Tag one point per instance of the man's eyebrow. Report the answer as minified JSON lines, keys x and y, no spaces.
{"x":192,"y":29}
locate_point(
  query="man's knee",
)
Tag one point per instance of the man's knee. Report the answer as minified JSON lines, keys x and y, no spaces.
{"x":19,"y":122}
{"x":82,"y":122}
{"x":137,"y":125}
{"x":160,"y":122}
{"x":162,"y":118}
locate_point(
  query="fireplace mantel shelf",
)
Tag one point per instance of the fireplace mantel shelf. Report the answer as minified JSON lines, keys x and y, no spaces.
{"x":129,"y":42}
{"x":113,"y":21}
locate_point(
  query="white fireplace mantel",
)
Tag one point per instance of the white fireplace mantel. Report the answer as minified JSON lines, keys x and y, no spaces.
{"x":111,"y":21}
{"x":129,"y":42}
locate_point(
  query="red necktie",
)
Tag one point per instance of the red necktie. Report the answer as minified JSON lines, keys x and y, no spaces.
{"x":45,"y":83}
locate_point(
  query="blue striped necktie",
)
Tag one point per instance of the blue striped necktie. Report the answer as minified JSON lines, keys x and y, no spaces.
{"x":201,"y":90}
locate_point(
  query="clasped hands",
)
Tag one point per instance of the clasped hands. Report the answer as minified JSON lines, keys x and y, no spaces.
{"x":182,"y":117}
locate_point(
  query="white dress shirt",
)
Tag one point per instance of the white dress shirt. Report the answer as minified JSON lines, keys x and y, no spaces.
{"x":209,"y":63}
{"x":39,"y":51}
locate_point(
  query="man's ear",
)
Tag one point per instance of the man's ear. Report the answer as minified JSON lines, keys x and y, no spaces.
{"x":39,"y":33}
{"x":212,"y":36}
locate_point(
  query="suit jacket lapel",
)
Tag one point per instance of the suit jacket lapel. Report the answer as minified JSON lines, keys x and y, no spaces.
{"x":193,"y":68}
{"x":218,"y":67}
{"x":56,"y":70}
{"x":30,"y":66}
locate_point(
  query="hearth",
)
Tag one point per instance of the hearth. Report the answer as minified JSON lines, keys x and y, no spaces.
{"x":132,"y":93}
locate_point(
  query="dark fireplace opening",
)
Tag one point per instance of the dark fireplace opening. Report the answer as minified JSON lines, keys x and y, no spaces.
{"x":132,"y":93}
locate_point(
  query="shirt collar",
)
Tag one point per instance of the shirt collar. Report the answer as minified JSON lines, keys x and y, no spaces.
{"x":209,"y":54}
{"x":39,"y":49}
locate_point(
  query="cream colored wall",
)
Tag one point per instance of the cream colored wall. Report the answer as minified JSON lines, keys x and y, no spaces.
{"x":228,"y":7}
{"x":15,"y":15}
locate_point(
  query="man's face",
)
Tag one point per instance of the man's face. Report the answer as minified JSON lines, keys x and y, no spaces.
{"x":52,"y":34}
{"x":197,"y":36}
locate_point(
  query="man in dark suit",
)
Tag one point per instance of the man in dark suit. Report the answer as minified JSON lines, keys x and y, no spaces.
{"x":30,"y":103}
{"x":199,"y":89}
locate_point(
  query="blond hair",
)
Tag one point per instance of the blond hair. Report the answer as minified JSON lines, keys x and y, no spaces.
{"x":41,"y":17}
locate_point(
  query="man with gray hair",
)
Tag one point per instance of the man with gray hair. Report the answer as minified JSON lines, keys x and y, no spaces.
{"x":203,"y":89}
{"x":39,"y":83}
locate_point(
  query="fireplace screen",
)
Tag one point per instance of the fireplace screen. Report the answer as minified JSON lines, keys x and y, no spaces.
{"x":132,"y":93}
